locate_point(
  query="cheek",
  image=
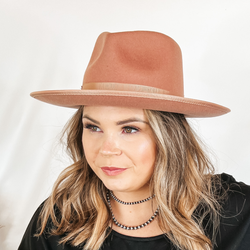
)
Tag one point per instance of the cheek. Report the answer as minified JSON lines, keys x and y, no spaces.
{"x":146,"y":152}
{"x":89,"y":149}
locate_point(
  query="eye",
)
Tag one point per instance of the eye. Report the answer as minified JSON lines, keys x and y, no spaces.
{"x":130,"y":130}
{"x":92,"y":128}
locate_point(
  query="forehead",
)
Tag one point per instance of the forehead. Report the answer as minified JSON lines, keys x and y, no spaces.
{"x":114,"y":113}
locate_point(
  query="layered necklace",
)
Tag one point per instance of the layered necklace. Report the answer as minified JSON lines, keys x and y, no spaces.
{"x":130,"y":203}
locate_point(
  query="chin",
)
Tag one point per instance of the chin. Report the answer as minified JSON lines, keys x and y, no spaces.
{"x":115,"y":185}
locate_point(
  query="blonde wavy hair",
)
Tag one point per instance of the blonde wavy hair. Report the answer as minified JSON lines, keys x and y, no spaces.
{"x":183,"y":183}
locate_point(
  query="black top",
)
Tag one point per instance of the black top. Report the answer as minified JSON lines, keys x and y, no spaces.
{"x":234,"y":233}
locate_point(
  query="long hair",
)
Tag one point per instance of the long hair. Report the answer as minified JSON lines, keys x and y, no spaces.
{"x":182,"y":182}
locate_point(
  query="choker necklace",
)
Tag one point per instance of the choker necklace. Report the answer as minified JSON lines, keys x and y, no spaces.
{"x":129,"y":227}
{"x":130,"y":203}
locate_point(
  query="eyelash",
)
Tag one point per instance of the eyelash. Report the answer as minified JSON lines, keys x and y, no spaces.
{"x":91,"y":126}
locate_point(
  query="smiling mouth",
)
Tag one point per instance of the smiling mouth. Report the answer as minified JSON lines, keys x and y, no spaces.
{"x":111,"y":171}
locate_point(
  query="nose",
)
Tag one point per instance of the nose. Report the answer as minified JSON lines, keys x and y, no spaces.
{"x":110,"y":147}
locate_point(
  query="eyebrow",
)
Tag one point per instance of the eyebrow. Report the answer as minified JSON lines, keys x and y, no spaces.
{"x":132,"y":119}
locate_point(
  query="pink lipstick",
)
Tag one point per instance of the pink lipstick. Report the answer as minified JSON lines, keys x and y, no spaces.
{"x":111,"y":171}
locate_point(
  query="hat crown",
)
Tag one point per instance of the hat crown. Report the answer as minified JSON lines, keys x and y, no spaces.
{"x":143,"y":58}
{"x":136,"y":69}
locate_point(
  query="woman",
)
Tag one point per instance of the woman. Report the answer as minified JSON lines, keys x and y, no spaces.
{"x":140,"y":178}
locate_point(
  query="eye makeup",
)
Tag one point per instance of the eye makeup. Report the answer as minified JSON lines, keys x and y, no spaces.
{"x":125,"y":129}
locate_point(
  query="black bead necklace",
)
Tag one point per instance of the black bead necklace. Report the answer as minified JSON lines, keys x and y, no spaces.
{"x":130,"y":227}
{"x":130,"y":203}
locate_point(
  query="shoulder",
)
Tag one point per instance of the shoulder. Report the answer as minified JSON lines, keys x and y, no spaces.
{"x":229,"y":181}
{"x":235,"y":215}
{"x":29,"y":239}
{"x":43,"y":242}
{"x":237,"y":195}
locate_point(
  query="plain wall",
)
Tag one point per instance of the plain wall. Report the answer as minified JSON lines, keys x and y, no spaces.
{"x":46,"y":44}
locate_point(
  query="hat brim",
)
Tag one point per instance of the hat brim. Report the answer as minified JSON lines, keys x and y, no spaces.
{"x":175,"y":104}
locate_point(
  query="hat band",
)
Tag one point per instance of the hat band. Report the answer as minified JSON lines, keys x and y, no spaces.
{"x":122,"y":87}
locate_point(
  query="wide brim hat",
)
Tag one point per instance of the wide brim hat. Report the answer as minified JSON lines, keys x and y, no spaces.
{"x":138,"y":69}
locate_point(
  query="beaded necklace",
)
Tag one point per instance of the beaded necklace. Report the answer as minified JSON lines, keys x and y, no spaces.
{"x":130,"y":227}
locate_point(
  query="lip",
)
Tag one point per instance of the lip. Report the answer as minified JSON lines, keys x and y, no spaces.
{"x":112,"y":171}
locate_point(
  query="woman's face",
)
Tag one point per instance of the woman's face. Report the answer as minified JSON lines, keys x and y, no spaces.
{"x":119,"y":146}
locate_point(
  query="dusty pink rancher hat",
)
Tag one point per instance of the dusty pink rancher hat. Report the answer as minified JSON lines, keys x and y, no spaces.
{"x":138,"y":69}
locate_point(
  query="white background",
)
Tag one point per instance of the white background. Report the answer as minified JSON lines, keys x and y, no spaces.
{"x":46,"y":44}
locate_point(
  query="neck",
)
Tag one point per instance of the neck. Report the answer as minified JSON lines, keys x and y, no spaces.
{"x":134,"y":216}
{"x":132,"y":196}
{"x":130,"y":202}
{"x":131,"y":215}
